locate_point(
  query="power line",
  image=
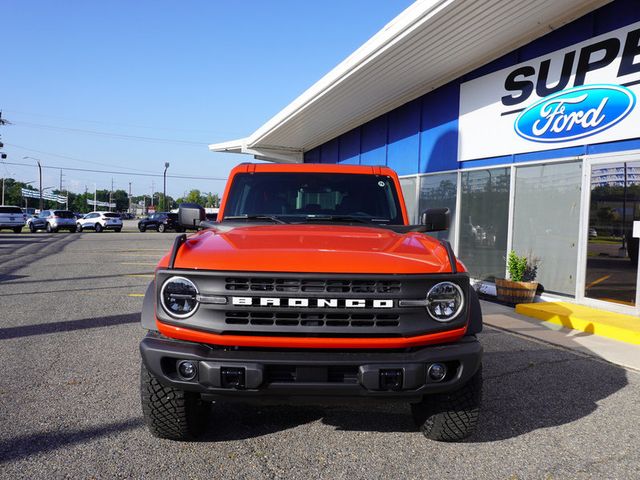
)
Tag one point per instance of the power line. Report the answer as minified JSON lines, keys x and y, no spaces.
{"x":118,"y":136}
{"x":111,"y":172}
{"x":119,"y":124}
{"x":66,"y":157}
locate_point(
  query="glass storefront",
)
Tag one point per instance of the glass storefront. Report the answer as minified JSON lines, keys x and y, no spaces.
{"x":484,"y":217}
{"x":408,"y":186}
{"x":612,"y":251}
{"x":546,"y":221}
{"x":439,"y":191}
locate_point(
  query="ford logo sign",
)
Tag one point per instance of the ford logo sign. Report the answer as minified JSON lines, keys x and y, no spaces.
{"x":575,"y":113}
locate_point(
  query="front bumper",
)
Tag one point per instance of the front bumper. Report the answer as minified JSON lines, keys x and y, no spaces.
{"x":310,"y":375}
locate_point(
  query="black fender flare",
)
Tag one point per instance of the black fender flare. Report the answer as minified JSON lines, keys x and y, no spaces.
{"x":148,"y":315}
{"x":475,"y":313}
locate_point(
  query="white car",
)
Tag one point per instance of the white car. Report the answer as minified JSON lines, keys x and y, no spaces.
{"x":12,"y":218}
{"x":99,"y":221}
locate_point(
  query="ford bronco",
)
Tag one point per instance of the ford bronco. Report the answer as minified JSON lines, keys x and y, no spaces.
{"x":311,"y":286}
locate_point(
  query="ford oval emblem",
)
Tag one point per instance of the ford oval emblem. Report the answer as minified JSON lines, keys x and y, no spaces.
{"x":575,"y":113}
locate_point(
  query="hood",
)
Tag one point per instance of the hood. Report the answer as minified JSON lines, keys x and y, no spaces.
{"x":312,"y":248}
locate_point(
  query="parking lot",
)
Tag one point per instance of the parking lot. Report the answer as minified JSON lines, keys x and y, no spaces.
{"x":69,"y":397}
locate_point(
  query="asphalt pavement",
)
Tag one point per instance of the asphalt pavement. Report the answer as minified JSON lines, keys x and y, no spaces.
{"x":70,"y":407}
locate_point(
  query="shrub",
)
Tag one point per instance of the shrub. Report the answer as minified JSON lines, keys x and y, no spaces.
{"x":521,"y":269}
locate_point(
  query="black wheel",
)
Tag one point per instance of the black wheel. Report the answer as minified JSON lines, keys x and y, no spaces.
{"x":161,"y":228}
{"x":17,"y":229}
{"x":453,"y":416}
{"x":32,"y":228}
{"x":169,"y":412}
{"x":142,"y":228}
{"x":98,"y":227}
{"x":78,"y":228}
{"x":117,"y":230}
{"x":73,"y":230}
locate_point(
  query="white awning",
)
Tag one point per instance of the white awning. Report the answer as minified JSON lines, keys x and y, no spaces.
{"x":428,"y":45}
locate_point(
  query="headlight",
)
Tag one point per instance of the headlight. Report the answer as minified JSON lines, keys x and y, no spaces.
{"x":178,"y":297}
{"x":445,"y":301}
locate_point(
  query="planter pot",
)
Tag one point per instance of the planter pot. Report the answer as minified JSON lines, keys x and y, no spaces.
{"x":515,"y":292}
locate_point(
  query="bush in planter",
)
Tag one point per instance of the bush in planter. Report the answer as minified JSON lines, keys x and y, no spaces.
{"x":521,"y":287}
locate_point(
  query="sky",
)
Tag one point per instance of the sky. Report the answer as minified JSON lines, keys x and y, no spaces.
{"x":126,"y":86}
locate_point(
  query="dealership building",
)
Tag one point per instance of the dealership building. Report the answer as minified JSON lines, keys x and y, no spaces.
{"x":520,"y":116}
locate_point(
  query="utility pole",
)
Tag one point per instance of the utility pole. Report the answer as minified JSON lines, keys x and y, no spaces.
{"x":40,"y":171}
{"x":152,"y":189}
{"x":111,"y":194}
{"x":129,"y":197}
{"x":164,"y":191}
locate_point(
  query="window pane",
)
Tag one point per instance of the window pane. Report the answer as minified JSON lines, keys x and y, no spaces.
{"x":546,"y":222}
{"x":439,"y":191}
{"x":484,"y":214}
{"x":408,"y":186}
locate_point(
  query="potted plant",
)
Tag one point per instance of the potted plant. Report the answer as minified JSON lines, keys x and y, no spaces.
{"x":520,"y":287}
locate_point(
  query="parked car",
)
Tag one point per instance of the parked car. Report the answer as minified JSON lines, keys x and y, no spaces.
{"x":12,"y":218}
{"x":161,"y":222}
{"x":100,"y":221}
{"x":78,"y":215}
{"x":52,"y":221}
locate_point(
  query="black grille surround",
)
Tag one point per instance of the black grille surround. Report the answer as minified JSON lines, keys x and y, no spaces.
{"x":313,"y":321}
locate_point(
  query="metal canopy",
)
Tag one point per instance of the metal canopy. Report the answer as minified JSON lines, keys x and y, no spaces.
{"x":428,"y":45}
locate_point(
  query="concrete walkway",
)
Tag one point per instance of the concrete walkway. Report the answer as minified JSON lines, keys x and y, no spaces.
{"x":505,"y":318}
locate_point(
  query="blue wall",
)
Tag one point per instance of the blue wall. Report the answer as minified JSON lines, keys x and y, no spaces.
{"x":422,"y":135}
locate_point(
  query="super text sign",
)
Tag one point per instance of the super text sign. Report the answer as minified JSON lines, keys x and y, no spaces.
{"x":586,"y":93}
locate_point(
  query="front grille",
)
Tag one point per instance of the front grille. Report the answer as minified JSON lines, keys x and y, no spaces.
{"x":297,"y":285}
{"x":301,"y":374}
{"x":286,"y":319}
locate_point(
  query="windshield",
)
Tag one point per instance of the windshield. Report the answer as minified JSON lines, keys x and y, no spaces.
{"x":63,"y":214}
{"x":4,"y":209}
{"x":294,"y":196}
{"x":112,"y":215}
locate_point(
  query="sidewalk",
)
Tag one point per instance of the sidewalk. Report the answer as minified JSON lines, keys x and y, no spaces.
{"x":620,"y":353}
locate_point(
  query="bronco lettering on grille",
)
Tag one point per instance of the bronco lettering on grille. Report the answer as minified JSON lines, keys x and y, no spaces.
{"x":311,"y":302}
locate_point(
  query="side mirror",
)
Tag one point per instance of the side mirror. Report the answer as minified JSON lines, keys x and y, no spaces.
{"x":436,"y":219}
{"x":190,"y":215}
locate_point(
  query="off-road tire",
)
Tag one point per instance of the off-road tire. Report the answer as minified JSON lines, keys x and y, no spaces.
{"x":452,"y":416}
{"x":17,"y":229}
{"x":161,"y":228}
{"x":171,"y":413}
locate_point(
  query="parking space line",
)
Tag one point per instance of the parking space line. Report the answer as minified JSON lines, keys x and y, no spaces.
{"x":135,"y":295}
{"x":138,"y":263}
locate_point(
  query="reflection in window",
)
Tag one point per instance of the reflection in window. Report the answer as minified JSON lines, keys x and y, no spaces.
{"x":408,"y":186}
{"x":484,"y":214}
{"x":546,"y":220}
{"x":439,"y":191}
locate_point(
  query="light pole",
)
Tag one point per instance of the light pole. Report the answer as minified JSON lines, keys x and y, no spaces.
{"x":164,"y":191}
{"x":40,"y":173}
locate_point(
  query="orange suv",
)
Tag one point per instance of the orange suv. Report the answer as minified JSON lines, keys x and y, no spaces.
{"x":311,"y":285}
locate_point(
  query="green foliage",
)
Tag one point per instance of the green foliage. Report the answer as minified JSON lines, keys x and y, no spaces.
{"x":521,"y":269}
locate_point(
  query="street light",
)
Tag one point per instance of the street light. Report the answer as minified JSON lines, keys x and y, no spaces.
{"x":164,"y":191}
{"x":40,"y":171}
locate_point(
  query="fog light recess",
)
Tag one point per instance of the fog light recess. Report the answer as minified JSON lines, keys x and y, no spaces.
{"x":436,"y":372}
{"x":187,"y":370}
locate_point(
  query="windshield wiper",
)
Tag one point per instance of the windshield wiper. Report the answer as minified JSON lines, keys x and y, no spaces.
{"x":273,"y":218}
{"x":345,"y":218}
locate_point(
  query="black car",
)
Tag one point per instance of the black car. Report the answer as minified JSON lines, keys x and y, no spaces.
{"x":161,"y":221}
